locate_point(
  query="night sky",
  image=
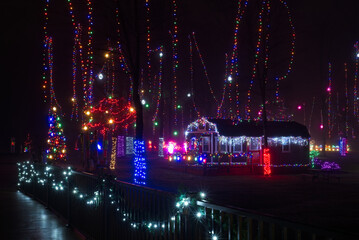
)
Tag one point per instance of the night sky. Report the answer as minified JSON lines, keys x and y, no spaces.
{"x":325,"y":30}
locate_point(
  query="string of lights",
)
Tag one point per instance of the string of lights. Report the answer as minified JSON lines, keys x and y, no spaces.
{"x":89,"y":60}
{"x":77,"y":49}
{"x":58,"y":180}
{"x":256,"y":61}
{"x":191,"y":76}
{"x":346,"y":100}
{"x":113,"y":76}
{"x":293,"y":38}
{"x":44,"y":60}
{"x":148,"y":49}
{"x":159,"y":89}
{"x":219,"y":114}
{"x":122,"y":59}
{"x":174,"y":35}
{"x":140,"y":162}
{"x":234,"y":68}
{"x":355,"y":94}
{"x":329,"y":90}
{"x":204,"y":67}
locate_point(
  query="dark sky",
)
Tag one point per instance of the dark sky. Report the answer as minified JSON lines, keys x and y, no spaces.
{"x":326,"y":31}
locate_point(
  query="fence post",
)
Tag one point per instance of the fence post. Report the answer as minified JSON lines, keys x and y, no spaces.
{"x":249,"y":228}
{"x":260,"y":230}
{"x":284,"y":233}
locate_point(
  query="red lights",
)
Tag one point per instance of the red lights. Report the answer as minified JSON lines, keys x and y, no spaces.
{"x":266,"y":161}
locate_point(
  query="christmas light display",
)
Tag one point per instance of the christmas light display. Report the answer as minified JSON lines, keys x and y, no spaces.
{"x":160,"y":147}
{"x":256,"y":60}
{"x":262,"y":48}
{"x":191,"y":76}
{"x":293,"y":38}
{"x":219,"y":108}
{"x":44,"y":176}
{"x":129,"y":145}
{"x":139,"y":162}
{"x":45,"y":62}
{"x":266,"y":160}
{"x":343,"y":147}
{"x":123,"y":63}
{"x":113,"y":77}
{"x":328,"y":148}
{"x":201,"y":125}
{"x":346,"y":100}
{"x":148,"y":49}
{"x":76,"y":56}
{"x":355,"y":94}
{"x":89,"y":59}
{"x":120,"y":146}
{"x":159,"y":89}
{"x":234,"y":69}
{"x":329,"y":100}
{"x":110,"y":114}
{"x":313,"y":154}
{"x":204,"y":67}
{"x":113,"y":154}
{"x":56,"y":141}
{"x":174,"y":35}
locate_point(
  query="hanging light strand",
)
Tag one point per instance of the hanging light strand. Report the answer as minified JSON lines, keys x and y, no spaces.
{"x":191,"y":76}
{"x":219,"y":114}
{"x":204,"y":68}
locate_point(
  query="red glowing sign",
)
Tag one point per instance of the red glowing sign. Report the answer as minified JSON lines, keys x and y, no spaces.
{"x":266,"y":160}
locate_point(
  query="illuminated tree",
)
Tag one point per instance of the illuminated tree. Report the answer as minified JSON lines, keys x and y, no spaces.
{"x":56,"y":140}
{"x":110,"y":114}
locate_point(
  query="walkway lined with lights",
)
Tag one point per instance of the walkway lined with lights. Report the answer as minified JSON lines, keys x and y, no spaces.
{"x":23,"y":217}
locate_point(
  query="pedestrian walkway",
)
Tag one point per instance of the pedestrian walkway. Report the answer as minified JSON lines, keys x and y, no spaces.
{"x":22,"y":217}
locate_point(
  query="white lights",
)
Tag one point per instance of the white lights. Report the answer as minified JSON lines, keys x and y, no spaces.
{"x":29,"y":173}
{"x":188,"y":94}
{"x":161,"y":54}
{"x":143,"y":101}
{"x":100,"y":76}
{"x":202,"y":195}
{"x":229,"y":78}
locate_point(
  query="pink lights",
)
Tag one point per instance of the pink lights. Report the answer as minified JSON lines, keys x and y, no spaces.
{"x":171,"y":147}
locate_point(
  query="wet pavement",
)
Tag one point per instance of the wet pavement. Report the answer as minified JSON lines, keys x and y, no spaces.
{"x":23,"y":217}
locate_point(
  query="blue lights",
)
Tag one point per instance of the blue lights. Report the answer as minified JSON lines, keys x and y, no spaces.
{"x":99,"y":147}
{"x":139,"y":162}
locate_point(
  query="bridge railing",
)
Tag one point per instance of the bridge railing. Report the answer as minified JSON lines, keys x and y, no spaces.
{"x":101,"y":207}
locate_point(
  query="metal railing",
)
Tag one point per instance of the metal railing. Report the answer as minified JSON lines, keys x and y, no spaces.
{"x":102,"y":208}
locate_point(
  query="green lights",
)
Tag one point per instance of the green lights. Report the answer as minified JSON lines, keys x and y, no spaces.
{"x":175,"y":133}
{"x":155,"y":123}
